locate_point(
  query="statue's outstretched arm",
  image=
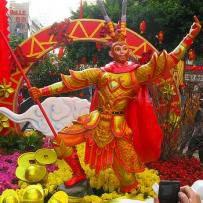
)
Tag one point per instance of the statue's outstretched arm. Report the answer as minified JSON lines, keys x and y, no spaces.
{"x":179,"y":52}
{"x":75,"y":81}
{"x":160,"y":62}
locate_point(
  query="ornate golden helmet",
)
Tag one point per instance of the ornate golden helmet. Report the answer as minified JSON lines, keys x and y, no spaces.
{"x":117,"y":33}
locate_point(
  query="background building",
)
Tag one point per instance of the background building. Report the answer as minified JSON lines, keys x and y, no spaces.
{"x":19,"y":19}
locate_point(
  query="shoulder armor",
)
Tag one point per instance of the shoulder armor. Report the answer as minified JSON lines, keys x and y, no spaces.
{"x":81,"y":79}
{"x":153,"y":68}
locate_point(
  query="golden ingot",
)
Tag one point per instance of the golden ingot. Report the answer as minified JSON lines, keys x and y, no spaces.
{"x":10,"y":199}
{"x":59,"y":197}
{"x":26,"y":159}
{"x":32,"y":174}
{"x":45,"y":156}
{"x":33,"y":194}
{"x":9,"y":196}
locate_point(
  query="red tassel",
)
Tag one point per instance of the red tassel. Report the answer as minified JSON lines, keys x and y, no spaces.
{"x":4,"y":52}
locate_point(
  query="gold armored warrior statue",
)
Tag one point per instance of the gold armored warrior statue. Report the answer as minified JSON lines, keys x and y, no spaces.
{"x":121,"y":131}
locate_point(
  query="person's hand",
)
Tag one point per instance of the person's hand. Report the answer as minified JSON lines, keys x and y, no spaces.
{"x":187,"y":195}
{"x":195,"y":28}
{"x":35,"y":93}
{"x":156,"y":200}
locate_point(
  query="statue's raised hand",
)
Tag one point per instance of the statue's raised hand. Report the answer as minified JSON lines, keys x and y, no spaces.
{"x":195,"y":28}
{"x":35,"y":93}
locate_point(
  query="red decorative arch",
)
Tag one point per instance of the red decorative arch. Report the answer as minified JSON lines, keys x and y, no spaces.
{"x":57,"y":35}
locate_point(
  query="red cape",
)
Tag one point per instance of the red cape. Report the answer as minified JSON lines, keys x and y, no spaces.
{"x":141,"y":118}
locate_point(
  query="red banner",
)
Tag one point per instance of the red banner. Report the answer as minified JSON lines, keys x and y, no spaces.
{"x":4,"y":52}
{"x":193,"y":68}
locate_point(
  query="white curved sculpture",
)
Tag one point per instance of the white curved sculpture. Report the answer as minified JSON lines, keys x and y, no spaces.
{"x":60,"y":110}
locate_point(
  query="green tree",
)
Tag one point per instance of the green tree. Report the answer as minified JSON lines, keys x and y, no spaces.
{"x":15,"y":41}
{"x":173,"y":17}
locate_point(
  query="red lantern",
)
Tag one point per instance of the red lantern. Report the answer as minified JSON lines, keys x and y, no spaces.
{"x":83,"y":60}
{"x":77,"y":66}
{"x":160,"y":37}
{"x":98,"y":46}
{"x":81,"y":94}
{"x":164,"y":126}
{"x":181,"y":85}
{"x":191,"y":54}
{"x":94,"y":59}
{"x":60,"y":53}
{"x":143,"y":26}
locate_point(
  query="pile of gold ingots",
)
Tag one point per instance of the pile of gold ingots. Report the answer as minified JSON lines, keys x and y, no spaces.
{"x":32,"y":165}
{"x":32,"y":194}
{"x":32,"y":169}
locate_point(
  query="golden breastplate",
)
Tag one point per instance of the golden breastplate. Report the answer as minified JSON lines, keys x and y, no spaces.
{"x":114,"y":93}
{"x":116,"y":90}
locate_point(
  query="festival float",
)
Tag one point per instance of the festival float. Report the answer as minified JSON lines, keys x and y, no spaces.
{"x":81,"y":151}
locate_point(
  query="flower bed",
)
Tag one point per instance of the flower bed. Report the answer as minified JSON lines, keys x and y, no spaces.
{"x":60,"y":171}
{"x":183,"y":169}
{"x":8,"y":165}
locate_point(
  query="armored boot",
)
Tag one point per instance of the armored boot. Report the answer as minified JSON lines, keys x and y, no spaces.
{"x":129,"y":188}
{"x":69,"y":155}
{"x":78,"y":172}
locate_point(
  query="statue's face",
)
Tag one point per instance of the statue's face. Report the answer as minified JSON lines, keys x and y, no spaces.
{"x":120,"y":52}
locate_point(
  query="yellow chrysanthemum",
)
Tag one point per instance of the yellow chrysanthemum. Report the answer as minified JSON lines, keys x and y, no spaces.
{"x":106,"y":180}
{"x":57,"y":177}
{"x":146,"y":180}
{"x":92,"y":199}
